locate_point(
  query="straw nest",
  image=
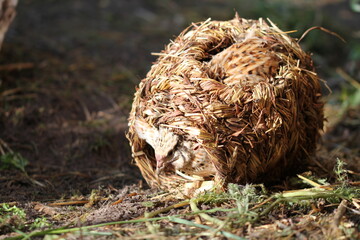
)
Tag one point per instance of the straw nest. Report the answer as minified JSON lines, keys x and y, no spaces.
{"x":241,"y":90}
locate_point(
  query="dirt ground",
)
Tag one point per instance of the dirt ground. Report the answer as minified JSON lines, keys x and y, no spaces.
{"x":68,"y":71}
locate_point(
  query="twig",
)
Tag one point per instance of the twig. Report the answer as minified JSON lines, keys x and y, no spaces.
{"x":262,"y":203}
{"x":162,"y":210}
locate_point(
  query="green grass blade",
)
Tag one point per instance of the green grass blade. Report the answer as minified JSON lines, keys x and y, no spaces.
{"x":192,"y":224}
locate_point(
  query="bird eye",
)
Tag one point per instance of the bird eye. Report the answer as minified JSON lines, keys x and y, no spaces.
{"x":171,"y":152}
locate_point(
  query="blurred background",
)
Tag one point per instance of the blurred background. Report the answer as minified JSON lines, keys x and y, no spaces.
{"x":68,"y":71}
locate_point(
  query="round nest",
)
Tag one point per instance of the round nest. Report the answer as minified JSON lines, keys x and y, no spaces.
{"x":241,"y":92}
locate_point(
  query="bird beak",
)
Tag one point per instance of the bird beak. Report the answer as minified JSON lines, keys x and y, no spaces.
{"x":160,"y":163}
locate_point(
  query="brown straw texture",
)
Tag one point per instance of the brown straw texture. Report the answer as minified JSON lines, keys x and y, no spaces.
{"x":243,"y":90}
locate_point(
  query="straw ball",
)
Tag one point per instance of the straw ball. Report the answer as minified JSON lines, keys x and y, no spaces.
{"x":226,"y":101}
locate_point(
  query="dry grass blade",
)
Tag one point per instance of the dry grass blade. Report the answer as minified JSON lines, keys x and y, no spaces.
{"x":322,"y":29}
{"x":16,"y":66}
{"x":204,"y":215}
{"x":69,"y":203}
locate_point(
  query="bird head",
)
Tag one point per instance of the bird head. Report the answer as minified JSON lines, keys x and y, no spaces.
{"x":164,"y":147}
{"x":161,"y":139}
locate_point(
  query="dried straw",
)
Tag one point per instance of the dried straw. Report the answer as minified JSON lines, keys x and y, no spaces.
{"x":244,"y":90}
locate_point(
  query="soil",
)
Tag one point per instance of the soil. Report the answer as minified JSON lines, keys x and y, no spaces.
{"x":65,"y":100}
